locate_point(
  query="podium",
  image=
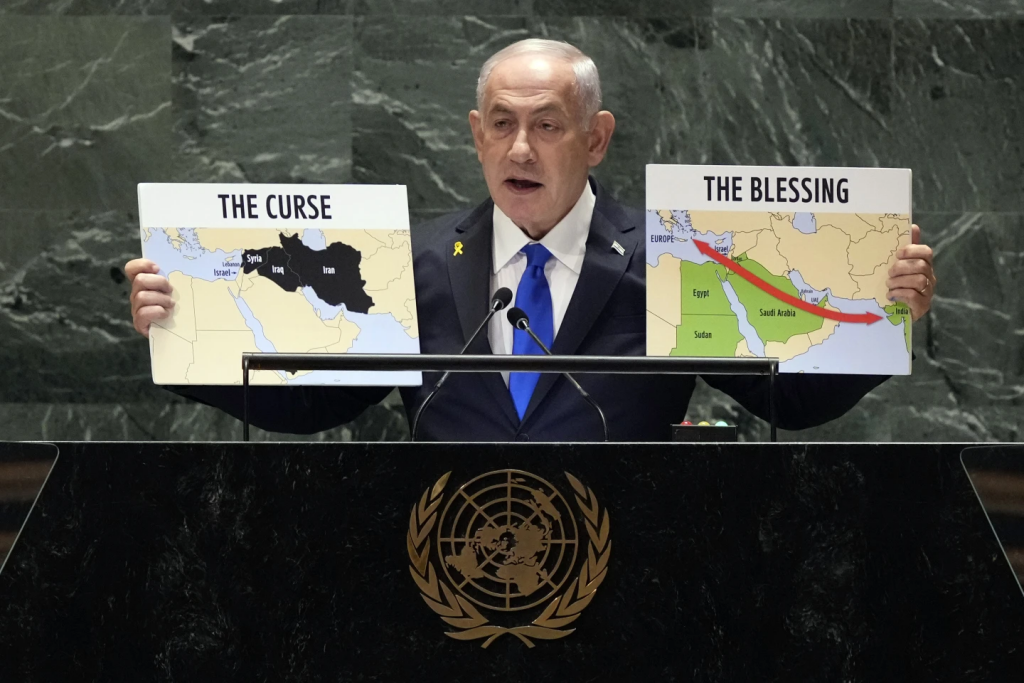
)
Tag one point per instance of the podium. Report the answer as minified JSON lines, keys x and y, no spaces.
{"x":344,"y":562}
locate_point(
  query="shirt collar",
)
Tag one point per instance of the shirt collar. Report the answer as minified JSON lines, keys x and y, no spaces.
{"x":567,"y":241}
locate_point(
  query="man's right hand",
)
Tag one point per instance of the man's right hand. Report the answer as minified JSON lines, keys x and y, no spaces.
{"x":151,"y":294}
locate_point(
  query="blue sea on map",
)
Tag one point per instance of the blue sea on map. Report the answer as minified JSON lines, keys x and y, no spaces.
{"x":324,"y":309}
{"x":314,"y":239}
{"x":262,"y":343}
{"x":378,"y":333}
{"x":844,"y":351}
{"x":807,"y":293}
{"x":682,"y":247}
{"x":191,"y":259}
{"x":805,"y":223}
{"x":754,"y":342}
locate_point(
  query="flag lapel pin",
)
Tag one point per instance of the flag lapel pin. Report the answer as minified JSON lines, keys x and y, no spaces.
{"x":619,"y":248}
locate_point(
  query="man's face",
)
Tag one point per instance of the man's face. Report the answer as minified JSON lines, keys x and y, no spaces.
{"x":530,"y":141}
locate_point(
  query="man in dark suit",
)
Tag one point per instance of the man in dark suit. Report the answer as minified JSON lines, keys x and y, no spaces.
{"x":575,"y":259}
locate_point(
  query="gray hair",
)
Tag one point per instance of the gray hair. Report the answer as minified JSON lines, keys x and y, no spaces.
{"x":587,"y":88}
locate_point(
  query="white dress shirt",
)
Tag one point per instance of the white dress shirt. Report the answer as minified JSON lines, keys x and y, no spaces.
{"x":567,"y":242}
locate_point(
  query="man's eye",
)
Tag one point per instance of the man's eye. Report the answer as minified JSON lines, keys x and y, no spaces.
{"x":548,"y":126}
{"x":501,"y":124}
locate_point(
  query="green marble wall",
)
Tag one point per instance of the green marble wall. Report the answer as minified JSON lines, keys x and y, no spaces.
{"x":98,"y":95}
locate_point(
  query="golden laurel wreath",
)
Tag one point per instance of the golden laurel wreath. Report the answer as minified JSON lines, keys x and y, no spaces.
{"x":460,"y":613}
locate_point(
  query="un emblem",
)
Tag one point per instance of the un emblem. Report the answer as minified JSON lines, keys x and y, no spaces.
{"x":507,"y":542}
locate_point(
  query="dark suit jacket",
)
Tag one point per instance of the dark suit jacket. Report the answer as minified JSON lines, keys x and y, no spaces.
{"x":606,"y":317}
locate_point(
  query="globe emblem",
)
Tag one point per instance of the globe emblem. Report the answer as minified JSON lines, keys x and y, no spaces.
{"x":508,"y":540}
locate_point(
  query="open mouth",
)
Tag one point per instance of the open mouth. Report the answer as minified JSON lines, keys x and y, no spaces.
{"x":521,"y":185}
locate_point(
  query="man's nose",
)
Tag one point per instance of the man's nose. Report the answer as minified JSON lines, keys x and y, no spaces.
{"x":521,"y":152}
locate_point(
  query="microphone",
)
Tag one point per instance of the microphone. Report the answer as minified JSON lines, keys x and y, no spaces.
{"x":501,"y":299}
{"x":519,"y":320}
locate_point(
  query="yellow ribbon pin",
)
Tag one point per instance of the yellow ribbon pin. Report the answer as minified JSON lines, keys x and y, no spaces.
{"x":458,"y":249}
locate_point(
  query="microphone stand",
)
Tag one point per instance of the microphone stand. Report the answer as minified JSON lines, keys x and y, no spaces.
{"x":525,"y":327}
{"x":495,"y":307}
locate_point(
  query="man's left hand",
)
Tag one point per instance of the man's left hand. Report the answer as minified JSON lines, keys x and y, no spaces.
{"x":912,"y":279}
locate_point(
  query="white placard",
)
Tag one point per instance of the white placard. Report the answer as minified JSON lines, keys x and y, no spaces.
{"x":779,"y":188}
{"x":779,"y":262}
{"x":279,"y":269}
{"x":219,"y":205}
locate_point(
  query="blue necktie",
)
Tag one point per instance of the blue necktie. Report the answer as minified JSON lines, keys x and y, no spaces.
{"x":534,"y":297}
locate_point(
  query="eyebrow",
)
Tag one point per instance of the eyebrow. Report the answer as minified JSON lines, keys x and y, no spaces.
{"x":548,"y":108}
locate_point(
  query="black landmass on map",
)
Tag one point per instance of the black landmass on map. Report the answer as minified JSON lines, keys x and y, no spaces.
{"x":333,"y":273}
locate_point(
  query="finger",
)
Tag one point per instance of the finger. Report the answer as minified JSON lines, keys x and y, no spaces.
{"x":151,"y":314}
{"x":149,"y":298}
{"x":911,"y":267}
{"x":150,"y":282}
{"x":146,"y":316}
{"x":918,"y":303}
{"x":918,"y":282}
{"x":139,"y":265}
{"x":915,"y":234}
{"x":915,"y":251}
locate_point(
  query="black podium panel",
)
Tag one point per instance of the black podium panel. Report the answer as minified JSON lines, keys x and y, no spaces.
{"x":24,"y":468}
{"x":741,"y":562}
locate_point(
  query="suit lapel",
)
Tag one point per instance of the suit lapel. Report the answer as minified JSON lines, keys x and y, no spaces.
{"x":469,"y":266}
{"x":603,"y":267}
{"x":469,"y":261}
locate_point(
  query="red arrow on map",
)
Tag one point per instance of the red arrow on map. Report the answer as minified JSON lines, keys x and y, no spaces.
{"x":712,"y":253}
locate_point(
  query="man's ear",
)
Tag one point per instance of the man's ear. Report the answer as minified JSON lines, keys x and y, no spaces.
{"x":476,"y":125}
{"x":601,"y":128}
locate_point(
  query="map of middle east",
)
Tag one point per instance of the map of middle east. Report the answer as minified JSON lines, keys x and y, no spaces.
{"x":281,"y":290}
{"x":808,"y":288}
